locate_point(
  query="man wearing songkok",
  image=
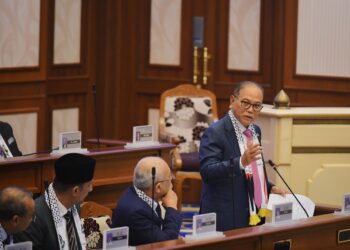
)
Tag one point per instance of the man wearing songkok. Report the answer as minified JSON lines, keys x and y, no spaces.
{"x":16,"y":213}
{"x":134,"y":209}
{"x":234,"y":180}
{"x":56,"y":225}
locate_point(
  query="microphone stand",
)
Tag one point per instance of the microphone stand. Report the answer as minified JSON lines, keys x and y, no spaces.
{"x":153,"y":178}
{"x":41,"y":152}
{"x":273,"y":165}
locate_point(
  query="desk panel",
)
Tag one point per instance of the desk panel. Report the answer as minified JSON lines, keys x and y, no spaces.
{"x":113,"y":171}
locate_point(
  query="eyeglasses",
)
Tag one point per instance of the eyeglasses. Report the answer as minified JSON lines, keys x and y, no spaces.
{"x":246,"y":105}
{"x":172,"y":178}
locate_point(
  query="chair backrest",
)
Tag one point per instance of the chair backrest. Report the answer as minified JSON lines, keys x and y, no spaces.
{"x":93,"y":209}
{"x":186,"y":111}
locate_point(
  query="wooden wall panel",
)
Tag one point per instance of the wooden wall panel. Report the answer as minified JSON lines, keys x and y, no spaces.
{"x":48,"y":86}
{"x":307,"y":90}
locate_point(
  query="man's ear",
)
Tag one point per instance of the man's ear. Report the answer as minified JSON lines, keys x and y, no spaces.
{"x":157,"y":187}
{"x":75,"y":190}
{"x":15,"y":219}
{"x":232,"y":99}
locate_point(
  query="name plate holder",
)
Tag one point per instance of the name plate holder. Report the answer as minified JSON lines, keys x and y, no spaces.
{"x":116,"y":238}
{"x":345,"y":210}
{"x":69,"y":142}
{"x":282,"y":213}
{"x":204,"y":228}
{"x":142,"y":136}
{"x":27,"y":245}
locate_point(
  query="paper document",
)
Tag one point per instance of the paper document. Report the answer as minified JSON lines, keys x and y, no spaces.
{"x":298,"y":212}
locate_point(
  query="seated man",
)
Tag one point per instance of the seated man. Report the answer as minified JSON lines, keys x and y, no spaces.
{"x":16,"y":213}
{"x":134,"y":209}
{"x":57,"y":224}
{"x":8,"y":144}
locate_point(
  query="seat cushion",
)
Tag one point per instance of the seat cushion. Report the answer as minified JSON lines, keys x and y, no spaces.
{"x":190,"y":161}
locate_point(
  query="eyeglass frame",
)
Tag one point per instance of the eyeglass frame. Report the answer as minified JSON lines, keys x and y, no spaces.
{"x":173,"y":178}
{"x":249,"y":104}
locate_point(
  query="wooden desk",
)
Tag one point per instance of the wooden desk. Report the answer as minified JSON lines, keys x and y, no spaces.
{"x":113,"y":172}
{"x":319,"y":232}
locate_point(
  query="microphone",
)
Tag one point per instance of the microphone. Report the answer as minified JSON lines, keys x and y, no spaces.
{"x":273,"y":165}
{"x":41,"y":152}
{"x":153,"y":178}
{"x":96,"y":115}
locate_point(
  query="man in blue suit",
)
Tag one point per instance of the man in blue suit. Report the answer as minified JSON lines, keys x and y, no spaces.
{"x":235,"y":184}
{"x":134,"y":209}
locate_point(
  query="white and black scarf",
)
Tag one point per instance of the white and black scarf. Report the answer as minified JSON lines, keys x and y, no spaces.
{"x":52,"y":202}
{"x":248,"y":169}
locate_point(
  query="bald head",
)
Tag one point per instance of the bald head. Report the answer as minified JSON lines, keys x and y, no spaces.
{"x":243,"y":84}
{"x":143,"y":171}
{"x":13,"y":201}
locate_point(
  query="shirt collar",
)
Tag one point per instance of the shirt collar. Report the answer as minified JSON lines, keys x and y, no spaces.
{"x":3,"y":234}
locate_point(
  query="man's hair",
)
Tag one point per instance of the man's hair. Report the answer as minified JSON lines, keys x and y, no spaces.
{"x":243,"y":84}
{"x":11,"y":202}
{"x":143,"y":176}
{"x":63,"y":187}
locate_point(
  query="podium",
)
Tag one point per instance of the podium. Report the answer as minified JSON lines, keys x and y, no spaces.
{"x":312,"y":147}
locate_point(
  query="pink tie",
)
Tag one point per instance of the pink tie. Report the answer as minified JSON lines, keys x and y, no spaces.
{"x":256,"y":179}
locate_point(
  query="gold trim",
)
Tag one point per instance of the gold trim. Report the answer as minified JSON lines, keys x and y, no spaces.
{"x":283,"y":241}
{"x":339,"y":232}
{"x":320,"y":150}
{"x":321,"y":121}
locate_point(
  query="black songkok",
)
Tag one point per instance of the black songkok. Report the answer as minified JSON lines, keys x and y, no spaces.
{"x":74,"y":168}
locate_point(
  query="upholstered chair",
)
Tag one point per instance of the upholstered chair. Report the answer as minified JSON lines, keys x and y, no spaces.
{"x":185,"y":112}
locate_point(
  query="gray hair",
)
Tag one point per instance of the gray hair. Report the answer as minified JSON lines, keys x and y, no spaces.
{"x":243,"y":84}
{"x":143,"y":173}
{"x":11,"y":202}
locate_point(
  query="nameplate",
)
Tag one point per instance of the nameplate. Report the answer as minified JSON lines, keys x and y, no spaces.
{"x":346,"y":203}
{"x":69,"y":142}
{"x":204,"y":227}
{"x":27,"y":245}
{"x":282,"y":212}
{"x":142,"y":136}
{"x":116,"y":238}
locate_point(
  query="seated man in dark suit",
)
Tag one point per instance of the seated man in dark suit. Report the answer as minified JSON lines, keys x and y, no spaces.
{"x":134,"y":209}
{"x":8,"y":144}
{"x":16,"y":213}
{"x":57,"y":224}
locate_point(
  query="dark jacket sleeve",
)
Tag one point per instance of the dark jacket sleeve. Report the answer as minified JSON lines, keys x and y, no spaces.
{"x":141,"y":224}
{"x":215,"y":161}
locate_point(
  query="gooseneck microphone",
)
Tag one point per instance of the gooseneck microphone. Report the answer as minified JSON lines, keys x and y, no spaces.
{"x":153,"y":179}
{"x":273,"y":165}
{"x":41,"y":152}
{"x":96,"y":115}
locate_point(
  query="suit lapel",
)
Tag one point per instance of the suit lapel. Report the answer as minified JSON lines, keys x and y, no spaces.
{"x":231,"y":135}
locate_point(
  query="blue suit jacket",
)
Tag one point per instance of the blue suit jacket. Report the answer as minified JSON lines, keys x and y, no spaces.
{"x":224,"y":185}
{"x":133,"y":212}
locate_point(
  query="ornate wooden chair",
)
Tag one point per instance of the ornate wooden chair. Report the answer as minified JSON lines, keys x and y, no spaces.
{"x":95,"y":219}
{"x":185,"y":112}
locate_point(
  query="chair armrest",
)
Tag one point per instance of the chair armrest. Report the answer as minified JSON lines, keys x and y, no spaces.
{"x":168,"y":137}
{"x":176,"y":161}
